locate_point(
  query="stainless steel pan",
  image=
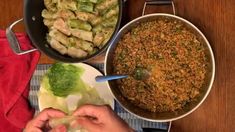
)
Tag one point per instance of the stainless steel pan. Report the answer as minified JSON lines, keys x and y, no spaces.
{"x":165,"y":116}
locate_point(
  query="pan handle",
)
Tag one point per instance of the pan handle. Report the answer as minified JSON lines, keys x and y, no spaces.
{"x":159,"y":2}
{"x":13,"y":41}
{"x":158,"y":130}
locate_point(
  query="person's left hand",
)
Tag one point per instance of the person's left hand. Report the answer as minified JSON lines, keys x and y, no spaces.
{"x":40,"y":122}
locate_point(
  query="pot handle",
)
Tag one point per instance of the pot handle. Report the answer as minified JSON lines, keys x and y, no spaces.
{"x":158,"y":2}
{"x":13,"y":41}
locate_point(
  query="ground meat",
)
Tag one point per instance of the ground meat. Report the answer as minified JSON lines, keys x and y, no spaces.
{"x":175,"y":59}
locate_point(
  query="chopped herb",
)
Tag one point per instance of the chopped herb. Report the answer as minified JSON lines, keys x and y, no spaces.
{"x":174,"y":53}
{"x":121,"y":56}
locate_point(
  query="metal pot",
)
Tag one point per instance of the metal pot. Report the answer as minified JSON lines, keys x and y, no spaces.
{"x":36,"y":31}
{"x":164,"y":116}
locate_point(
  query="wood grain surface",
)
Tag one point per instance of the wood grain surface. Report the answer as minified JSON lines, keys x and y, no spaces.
{"x":216,"y":19}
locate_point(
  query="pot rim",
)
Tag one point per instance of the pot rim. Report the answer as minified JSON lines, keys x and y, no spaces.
{"x":208,"y":46}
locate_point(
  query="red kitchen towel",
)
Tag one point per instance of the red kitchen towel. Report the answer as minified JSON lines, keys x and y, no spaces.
{"x":15,"y":75}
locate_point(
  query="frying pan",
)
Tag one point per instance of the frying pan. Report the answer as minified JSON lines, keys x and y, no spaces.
{"x":163,"y":116}
{"x":36,"y":31}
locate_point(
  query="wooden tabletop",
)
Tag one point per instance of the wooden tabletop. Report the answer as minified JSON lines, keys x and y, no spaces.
{"x":216,"y":19}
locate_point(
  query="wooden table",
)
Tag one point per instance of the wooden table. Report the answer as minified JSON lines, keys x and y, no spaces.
{"x":216,"y":19}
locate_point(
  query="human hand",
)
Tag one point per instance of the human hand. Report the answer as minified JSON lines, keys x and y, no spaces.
{"x":95,"y":118}
{"x":40,"y":122}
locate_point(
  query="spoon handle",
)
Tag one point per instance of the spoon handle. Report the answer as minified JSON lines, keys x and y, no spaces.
{"x":108,"y":78}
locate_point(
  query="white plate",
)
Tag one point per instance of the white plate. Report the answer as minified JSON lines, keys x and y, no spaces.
{"x":47,"y":99}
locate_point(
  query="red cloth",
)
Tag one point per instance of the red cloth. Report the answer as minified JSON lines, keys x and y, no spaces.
{"x":15,"y":75}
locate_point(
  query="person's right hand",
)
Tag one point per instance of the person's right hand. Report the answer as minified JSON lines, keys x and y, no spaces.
{"x":95,"y":118}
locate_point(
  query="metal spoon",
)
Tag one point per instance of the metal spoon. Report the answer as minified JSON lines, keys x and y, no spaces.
{"x":139,"y":74}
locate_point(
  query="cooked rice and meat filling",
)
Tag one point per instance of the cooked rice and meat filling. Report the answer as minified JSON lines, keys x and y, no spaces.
{"x":175,"y":59}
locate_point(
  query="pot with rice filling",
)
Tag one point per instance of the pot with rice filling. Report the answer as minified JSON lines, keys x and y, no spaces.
{"x":177,"y":56}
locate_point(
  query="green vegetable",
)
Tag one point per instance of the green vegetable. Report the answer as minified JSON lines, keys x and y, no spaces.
{"x":67,"y":4}
{"x":107,"y":34}
{"x":86,"y":6}
{"x":48,"y":14}
{"x":64,"y":79}
{"x":156,"y":56}
{"x":111,"y":22}
{"x":72,"y":41}
{"x":94,"y":51}
{"x":63,"y":89}
{"x":50,"y":5}
{"x":87,"y":46}
{"x":48,"y":22}
{"x":105,"y":5}
{"x":91,"y":97}
{"x":97,"y":28}
{"x":99,"y":1}
{"x":140,"y":73}
{"x":121,"y":56}
{"x":178,"y":28}
{"x":96,"y":20}
{"x":47,"y":97}
{"x":82,"y":34}
{"x":45,"y":83}
{"x":75,"y":23}
{"x":98,"y":39}
{"x":92,"y":1}
{"x":112,"y":12}
{"x":174,"y":53}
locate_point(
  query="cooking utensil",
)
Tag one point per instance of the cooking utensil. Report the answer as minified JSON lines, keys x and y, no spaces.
{"x":36,"y":31}
{"x":139,"y":74}
{"x":109,"y":78}
{"x":164,"y":116}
